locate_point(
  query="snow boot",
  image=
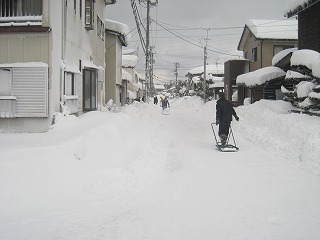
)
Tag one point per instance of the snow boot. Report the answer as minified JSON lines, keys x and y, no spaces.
{"x":223,"y":139}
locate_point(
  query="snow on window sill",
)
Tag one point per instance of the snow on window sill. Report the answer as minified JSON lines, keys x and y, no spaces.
{"x":70,"y":97}
{"x":8,"y":98}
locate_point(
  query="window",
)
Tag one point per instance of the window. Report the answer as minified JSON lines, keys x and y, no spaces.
{"x":100,"y":28}
{"x":89,"y":90}
{"x":5,"y":82}
{"x":24,"y":91}
{"x":69,"y":84}
{"x":254,"y":54}
{"x":277,"y":48}
{"x":17,"y":8}
{"x":246,"y":55}
{"x":89,"y":14}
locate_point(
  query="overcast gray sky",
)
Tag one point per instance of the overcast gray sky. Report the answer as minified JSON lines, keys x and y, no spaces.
{"x":180,"y":30}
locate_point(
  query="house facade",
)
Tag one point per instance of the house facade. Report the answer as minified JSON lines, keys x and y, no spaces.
{"x":117,"y":35}
{"x":52,"y":57}
{"x":260,"y":41}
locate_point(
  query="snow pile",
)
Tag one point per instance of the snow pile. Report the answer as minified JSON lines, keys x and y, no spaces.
{"x":307,"y":58}
{"x":280,"y":55}
{"x":294,"y":136}
{"x":260,"y":76}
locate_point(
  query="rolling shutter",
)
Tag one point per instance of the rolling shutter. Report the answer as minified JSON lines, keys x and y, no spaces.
{"x":30,"y":87}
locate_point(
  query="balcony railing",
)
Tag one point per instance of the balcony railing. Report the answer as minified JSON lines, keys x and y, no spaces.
{"x":20,"y":9}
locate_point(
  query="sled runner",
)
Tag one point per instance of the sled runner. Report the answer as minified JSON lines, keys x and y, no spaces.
{"x":227,"y":147}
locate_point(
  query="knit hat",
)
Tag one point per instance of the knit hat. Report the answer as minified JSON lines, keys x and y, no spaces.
{"x":221,"y":95}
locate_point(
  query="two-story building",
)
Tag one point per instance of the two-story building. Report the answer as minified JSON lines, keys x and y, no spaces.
{"x":117,"y":36}
{"x":52,"y":55}
{"x":260,"y":41}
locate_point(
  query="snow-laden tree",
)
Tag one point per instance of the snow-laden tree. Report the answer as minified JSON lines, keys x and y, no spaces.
{"x":305,"y":78}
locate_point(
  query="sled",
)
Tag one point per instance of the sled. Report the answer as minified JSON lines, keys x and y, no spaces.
{"x":227,"y":147}
{"x":166,"y":111}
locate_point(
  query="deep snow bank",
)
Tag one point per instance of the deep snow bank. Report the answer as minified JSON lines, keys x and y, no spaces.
{"x":294,"y":136}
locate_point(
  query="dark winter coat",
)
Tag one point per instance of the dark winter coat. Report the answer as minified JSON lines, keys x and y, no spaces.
{"x":224,"y":111}
{"x":165,"y":103}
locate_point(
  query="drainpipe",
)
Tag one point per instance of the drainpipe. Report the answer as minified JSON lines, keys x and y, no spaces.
{"x":63,"y":49}
{"x":261,"y":59}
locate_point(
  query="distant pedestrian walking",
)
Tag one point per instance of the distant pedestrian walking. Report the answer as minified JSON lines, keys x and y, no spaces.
{"x":224,"y":113}
{"x":165,"y":104}
{"x":155,"y":100}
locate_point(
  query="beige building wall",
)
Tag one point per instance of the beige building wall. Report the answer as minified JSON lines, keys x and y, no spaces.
{"x":265,"y":51}
{"x":113,"y":68}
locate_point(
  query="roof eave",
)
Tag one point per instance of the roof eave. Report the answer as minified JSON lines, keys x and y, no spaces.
{"x":300,"y":8}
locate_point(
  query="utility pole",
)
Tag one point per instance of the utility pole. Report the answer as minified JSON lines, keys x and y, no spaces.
{"x":148,"y":73}
{"x":205,"y":69}
{"x":176,"y":65}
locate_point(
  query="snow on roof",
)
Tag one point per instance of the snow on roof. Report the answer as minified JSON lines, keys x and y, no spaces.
{"x":129,"y":61}
{"x":141,"y":76}
{"x":260,"y":76}
{"x":280,"y":55}
{"x":24,"y":64}
{"x":217,"y":85}
{"x":195,"y":79}
{"x":216,"y":79}
{"x":214,"y":69}
{"x":89,"y":64}
{"x":130,"y":51}
{"x":126,"y":76}
{"x":159,"y":87}
{"x":118,"y":28}
{"x":274,"y":29}
{"x":295,"y":6}
{"x":308,"y":58}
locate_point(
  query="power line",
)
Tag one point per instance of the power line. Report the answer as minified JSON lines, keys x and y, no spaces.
{"x":224,"y":53}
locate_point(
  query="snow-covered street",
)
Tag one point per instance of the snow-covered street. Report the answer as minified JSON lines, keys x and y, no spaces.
{"x":138,"y":174}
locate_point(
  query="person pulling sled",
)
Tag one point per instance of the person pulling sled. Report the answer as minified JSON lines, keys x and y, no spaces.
{"x":224,"y":113}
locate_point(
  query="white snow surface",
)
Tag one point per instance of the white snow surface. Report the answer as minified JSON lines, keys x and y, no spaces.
{"x":119,"y":28}
{"x":304,"y":88}
{"x":129,"y":61}
{"x":126,"y":76}
{"x":213,"y":69}
{"x":137,"y":174}
{"x":260,"y":76}
{"x":308,"y":58}
{"x":280,"y":55}
{"x":274,"y":29}
{"x":293,"y":74}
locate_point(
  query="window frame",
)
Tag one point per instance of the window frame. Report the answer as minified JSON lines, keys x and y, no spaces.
{"x":100,"y":28}
{"x":72,"y":83}
{"x":9,"y":87}
{"x":89,"y":14}
{"x":254,"y":53}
